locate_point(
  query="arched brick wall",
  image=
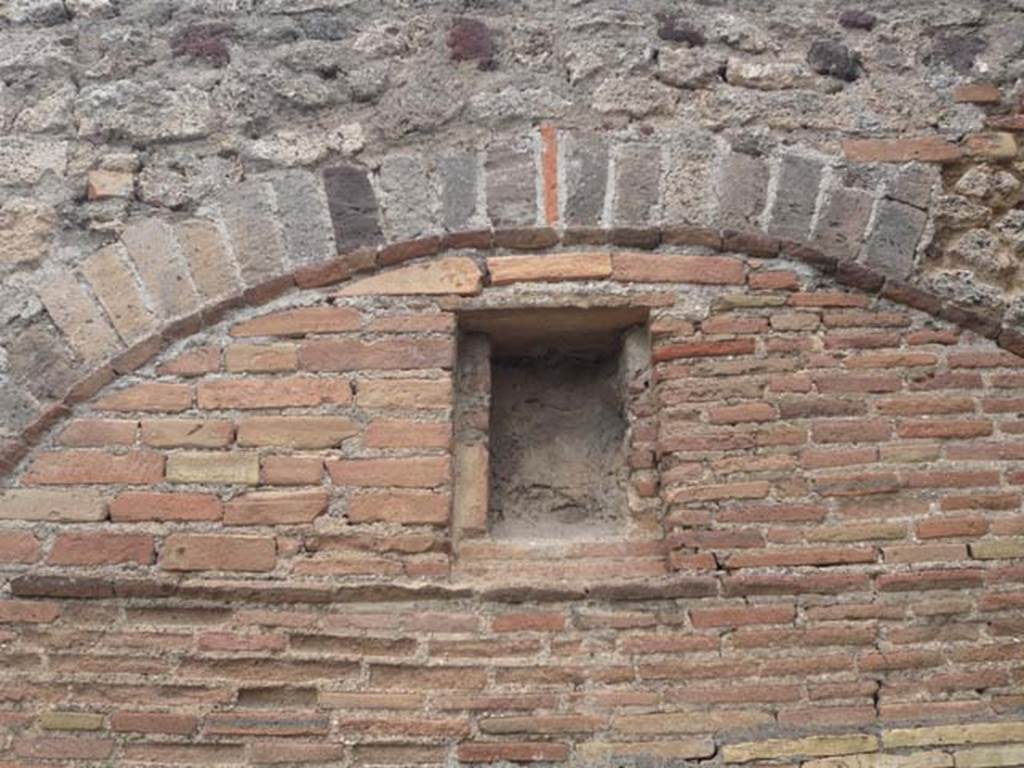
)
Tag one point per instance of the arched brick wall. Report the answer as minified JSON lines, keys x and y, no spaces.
{"x":243,"y":550}
{"x":236,"y":425}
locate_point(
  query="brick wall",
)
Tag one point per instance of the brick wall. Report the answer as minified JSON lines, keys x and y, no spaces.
{"x":241,"y":552}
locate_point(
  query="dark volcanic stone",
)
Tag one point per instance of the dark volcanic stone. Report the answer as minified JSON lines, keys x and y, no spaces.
{"x":834,"y":59}
{"x":471,"y":40}
{"x":854,"y":18}
{"x":203,"y":41}
{"x":676,"y":29}
{"x":957,"y":50}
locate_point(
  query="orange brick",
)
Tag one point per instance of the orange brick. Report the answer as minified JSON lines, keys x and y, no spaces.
{"x":149,"y":396}
{"x":300,"y":322}
{"x":198,"y":552}
{"x":251,"y":393}
{"x":517,"y":752}
{"x":193,"y":362}
{"x":407,"y":508}
{"x":18,"y":547}
{"x":292,"y":470}
{"x":261,"y":358}
{"x":102,"y":549}
{"x":88,"y":433}
{"x":774,"y":280}
{"x":153,"y":722}
{"x":738,"y":414}
{"x":930,"y":149}
{"x":187,"y":433}
{"x":390,"y":354}
{"x":705,"y":618}
{"x":295,"y":431}
{"x":529,"y":621}
{"x":407,"y":434}
{"x":671,"y":268}
{"x":138,"y":506}
{"x":404,"y":393}
{"x":276,"y":508}
{"x":96,"y":467}
{"x":403,"y":473}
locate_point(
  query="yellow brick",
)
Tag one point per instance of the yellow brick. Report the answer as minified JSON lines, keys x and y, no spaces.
{"x":983,"y":733}
{"x":63,"y":506}
{"x":690,"y":722}
{"x":990,"y":757}
{"x":676,"y":749}
{"x":1002,"y":549}
{"x":812,"y":746}
{"x":213,"y":467}
{"x":70,"y":721}
{"x":879,"y":760}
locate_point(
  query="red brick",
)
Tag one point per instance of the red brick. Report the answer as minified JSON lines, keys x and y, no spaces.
{"x":149,"y":396}
{"x":261,"y":358}
{"x":295,"y":431}
{"x":774,"y":280}
{"x":407,"y":434}
{"x":995,"y":358}
{"x":948,"y":478}
{"x":402,"y":473}
{"x":102,"y":549}
{"x":276,"y":508}
{"x":704,"y":618}
{"x":88,"y":433}
{"x":844,"y":384}
{"x":872,"y":340}
{"x":187,"y":433}
{"x":390,"y":354}
{"x":981,"y":501}
{"x":18,"y":547}
{"x":63,"y":747}
{"x":671,"y":268}
{"x":300,"y":322}
{"x":851,"y":431}
{"x":796,"y":556}
{"x":514,"y":752}
{"x":732,"y":324}
{"x":153,"y":722}
{"x":403,"y":508}
{"x":193,"y":362}
{"x":529,"y":621}
{"x":252,"y":392}
{"x":930,"y":149}
{"x":738,"y":414}
{"x":292,"y":470}
{"x":138,"y":506}
{"x":78,"y":467}
{"x":944,"y":428}
{"x":229,"y":641}
{"x":704,"y":349}
{"x":545,"y":724}
{"x":952,"y":527}
{"x":198,"y":552}
{"x":27,"y":612}
{"x":928,"y":580}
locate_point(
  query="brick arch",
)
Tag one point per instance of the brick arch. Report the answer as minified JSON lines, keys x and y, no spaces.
{"x":366,"y":259}
{"x":806,"y":610}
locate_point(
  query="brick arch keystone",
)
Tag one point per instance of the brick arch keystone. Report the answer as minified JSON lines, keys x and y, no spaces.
{"x":166,"y":280}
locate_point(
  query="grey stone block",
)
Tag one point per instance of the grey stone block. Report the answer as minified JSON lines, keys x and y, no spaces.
{"x":795,"y":198}
{"x":741,"y":190}
{"x":891,"y":245}
{"x":637,"y":184}
{"x":253,"y":229}
{"x":353,"y":207}
{"x":408,"y":199}
{"x":302,"y":209}
{"x":39,"y":363}
{"x":585,"y":161}
{"x":913,"y":185}
{"x":511,"y":186}
{"x":843,"y":220}
{"x":459,"y":173}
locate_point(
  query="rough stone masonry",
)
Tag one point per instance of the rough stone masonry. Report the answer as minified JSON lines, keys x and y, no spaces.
{"x":245,"y":431}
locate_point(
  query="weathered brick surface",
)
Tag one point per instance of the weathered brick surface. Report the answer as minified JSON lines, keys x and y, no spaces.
{"x":246,"y":564}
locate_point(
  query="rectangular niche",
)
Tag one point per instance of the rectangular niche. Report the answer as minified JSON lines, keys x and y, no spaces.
{"x":543,"y":421}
